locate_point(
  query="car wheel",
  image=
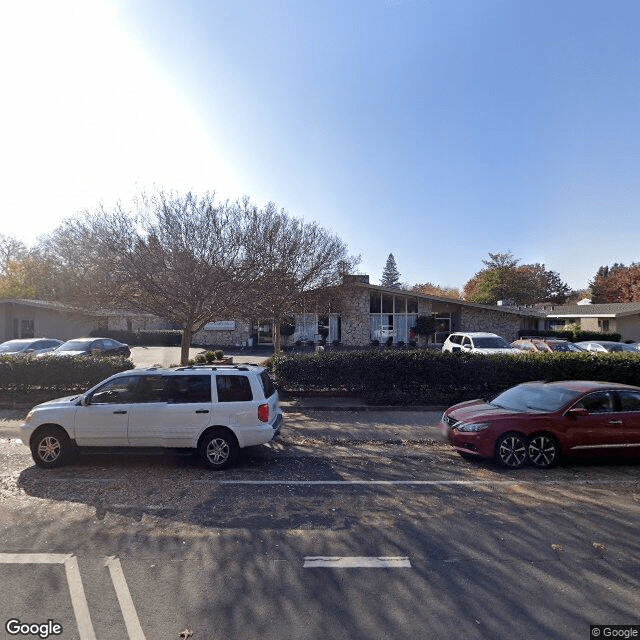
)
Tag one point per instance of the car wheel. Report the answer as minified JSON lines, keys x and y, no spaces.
{"x":543,"y":451}
{"x":218,"y":449}
{"x":51,"y":447}
{"x":511,"y":450}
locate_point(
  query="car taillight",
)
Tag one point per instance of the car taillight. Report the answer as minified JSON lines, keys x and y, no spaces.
{"x":263,"y":413}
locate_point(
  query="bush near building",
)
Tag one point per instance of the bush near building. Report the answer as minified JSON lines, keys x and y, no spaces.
{"x":573,"y":336}
{"x":148,"y":338}
{"x":435,"y":378}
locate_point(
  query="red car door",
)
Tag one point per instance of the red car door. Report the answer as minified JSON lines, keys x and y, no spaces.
{"x":602,"y":430}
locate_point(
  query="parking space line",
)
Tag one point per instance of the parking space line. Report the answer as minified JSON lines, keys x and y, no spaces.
{"x":74,"y":582}
{"x":78,"y":599}
{"x":356,"y":562}
{"x":127,"y":607}
{"x":361,"y":482}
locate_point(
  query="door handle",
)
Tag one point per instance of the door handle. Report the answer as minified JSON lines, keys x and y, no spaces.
{"x":615,"y":421}
{"x":202,"y":410}
{"x":120,"y":412}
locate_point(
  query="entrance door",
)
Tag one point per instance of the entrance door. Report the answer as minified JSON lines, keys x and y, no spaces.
{"x":265,"y":333}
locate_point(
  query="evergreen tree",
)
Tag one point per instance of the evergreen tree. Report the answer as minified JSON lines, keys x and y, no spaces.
{"x":391,"y":275}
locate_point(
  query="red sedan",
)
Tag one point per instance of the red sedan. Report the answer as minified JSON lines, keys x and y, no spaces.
{"x":537,"y":422}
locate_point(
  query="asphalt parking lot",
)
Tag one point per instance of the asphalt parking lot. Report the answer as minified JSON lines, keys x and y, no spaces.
{"x":351,"y":525}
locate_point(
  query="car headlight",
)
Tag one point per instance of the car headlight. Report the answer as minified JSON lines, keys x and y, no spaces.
{"x":472,"y":427}
{"x":29,"y":416}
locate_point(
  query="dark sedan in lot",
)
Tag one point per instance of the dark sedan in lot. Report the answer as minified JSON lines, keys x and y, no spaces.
{"x":91,"y":347}
{"x":537,"y":423}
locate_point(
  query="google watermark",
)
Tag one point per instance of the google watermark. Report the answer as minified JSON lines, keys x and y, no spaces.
{"x":615,"y":631}
{"x":41,"y":629}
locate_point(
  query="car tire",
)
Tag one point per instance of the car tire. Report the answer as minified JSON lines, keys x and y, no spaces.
{"x":51,"y":447}
{"x":511,"y":450}
{"x":218,"y":449}
{"x":543,"y":451}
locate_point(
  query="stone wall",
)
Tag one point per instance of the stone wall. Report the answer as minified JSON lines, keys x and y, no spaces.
{"x":504,"y":324}
{"x":356,"y":328}
{"x":224,"y":338}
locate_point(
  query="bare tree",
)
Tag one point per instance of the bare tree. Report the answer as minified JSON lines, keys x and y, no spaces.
{"x":289,"y":264}
{"x":177,"y":258}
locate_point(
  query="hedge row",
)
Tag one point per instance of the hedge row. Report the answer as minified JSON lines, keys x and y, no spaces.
{"x":72,"y":375}
{"x":157,"y":338}
{"x":574,"y":336}
{"x":432,"y":377}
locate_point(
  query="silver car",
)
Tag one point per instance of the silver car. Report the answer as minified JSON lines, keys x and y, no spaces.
{"x":28,"y":346}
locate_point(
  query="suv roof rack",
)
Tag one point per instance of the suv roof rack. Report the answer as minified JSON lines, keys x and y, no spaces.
{"x":211,"y":367}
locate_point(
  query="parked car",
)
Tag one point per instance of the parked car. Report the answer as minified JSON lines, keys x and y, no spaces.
{"x":537,"y":422}
{"x":477,"y":342}
{"x":606,"y":346}
{"x":28,"y":346}
{"x":213,"y":410}
{"x":546,"y":345}
{"x":383,"y":333}
{"x":92,"y":347}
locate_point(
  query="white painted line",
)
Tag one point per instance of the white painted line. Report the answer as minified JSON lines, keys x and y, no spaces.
{"x":356,"y":562}
{"x":79,"y":600}
{"x":74,"y":582}
{"x":363,"y":482}
{"x":34,"y":558}
{"x":124,"y":598}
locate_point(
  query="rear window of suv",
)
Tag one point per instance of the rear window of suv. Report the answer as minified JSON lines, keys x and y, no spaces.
{"x":267,"y":385}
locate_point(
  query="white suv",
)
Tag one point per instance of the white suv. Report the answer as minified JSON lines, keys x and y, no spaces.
{"x":214,"y":410}
{"x":477,"y":342}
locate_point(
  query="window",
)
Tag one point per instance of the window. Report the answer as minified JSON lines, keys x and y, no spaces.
{"x":603,"y":325}
{"x":374,"y":302}
{"x":188,"y":389}
{"x":118,"y":391}
{"x":412,"y":305}
{"x":387,"y":303}
{"x":151,"y":389}
{"x":26,"y":329}
{"x":233,"y":389}
{"x":401,"y":304}
{"x":599,"y":402}
{"x":629,"y":400}
{"x":267,"y":385}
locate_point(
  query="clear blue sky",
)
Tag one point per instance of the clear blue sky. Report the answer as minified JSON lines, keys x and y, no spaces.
{"x":439,"y":131}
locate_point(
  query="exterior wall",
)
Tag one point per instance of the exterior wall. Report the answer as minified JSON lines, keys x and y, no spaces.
{"x":628,"y":327}
{"x":504,"y":324}
{"x":591,"y":324}
{"x":224,"y":338}
{"x":47,"y":323}
{"x":356,"y":328}
{"x":136,"y":322}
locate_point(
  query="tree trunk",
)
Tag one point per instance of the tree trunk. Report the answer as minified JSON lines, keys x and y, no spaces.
{"x":277,"y":339}
{"x":184,"y":347}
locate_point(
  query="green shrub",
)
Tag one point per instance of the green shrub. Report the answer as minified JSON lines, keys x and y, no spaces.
{"x":62,"y":375}
{"x":218,"y":354}
{"x":159,"y":338}
{"x":574,"y":336}
{"x":431,"y":377}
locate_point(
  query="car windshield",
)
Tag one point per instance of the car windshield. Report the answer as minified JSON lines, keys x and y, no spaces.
{"x":73,"y":345}
{"x":17,"y":345}
{"x":534,"y":397}
{"x":491,"y":343}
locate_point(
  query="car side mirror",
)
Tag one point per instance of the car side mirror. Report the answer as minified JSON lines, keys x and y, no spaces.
{"x":85,"y":400}
{"x":576,"y":412}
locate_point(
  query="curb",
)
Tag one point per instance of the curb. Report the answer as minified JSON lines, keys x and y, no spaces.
{"x":291,"y":408}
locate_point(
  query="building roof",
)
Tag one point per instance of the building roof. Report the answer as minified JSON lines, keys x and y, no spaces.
{"x":611,"y":310}
{"x":519,"y":310}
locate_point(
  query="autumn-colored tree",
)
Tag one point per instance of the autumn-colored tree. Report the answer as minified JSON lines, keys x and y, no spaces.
{"x":616,"y":284}
{"x":430,"y":289}
{"x":504,"y":279}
